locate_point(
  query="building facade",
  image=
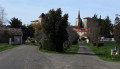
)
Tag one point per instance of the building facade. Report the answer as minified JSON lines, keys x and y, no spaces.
{"x":40,"y":19}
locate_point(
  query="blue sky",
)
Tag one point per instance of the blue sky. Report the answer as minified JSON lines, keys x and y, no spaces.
{"x":28,"y":10}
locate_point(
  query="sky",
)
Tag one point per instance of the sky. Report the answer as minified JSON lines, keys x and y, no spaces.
{"x":29,"y":10}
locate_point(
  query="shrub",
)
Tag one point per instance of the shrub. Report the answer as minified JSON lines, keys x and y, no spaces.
{"x":47,"y":44}
{"x":32,"y":41}
{"x":99,"y":44}
{"x":94,"y":44}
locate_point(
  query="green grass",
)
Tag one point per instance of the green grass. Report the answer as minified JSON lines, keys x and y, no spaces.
{"x":5,"y":47}
{"x":72,"y":50}
{"x":104,"y":52}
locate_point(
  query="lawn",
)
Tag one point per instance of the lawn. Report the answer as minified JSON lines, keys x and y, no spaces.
{"x":72,"y":50}
{"x":5,"y":47}
{"x":104,"y":52}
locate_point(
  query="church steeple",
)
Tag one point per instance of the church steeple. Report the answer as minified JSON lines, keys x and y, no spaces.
{"x":79,"y":14}
{"x":79,"y":21}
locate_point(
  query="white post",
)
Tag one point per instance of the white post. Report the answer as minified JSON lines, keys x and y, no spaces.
{"x":10,"y":41}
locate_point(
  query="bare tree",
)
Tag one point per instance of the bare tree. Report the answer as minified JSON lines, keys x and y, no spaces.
{"x":93,"y":31}
{"x":3,"y":18}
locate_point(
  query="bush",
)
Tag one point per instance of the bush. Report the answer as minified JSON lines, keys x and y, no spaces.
{"x":99,"y":44}
{"x":47,"y":44}
{"x":94,"y":44}
{"x":32,"y":41}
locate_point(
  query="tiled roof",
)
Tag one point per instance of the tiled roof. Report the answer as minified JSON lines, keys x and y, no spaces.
{"x":87,"y":18}
{"x":83,"y":29}
{"x":35,"y":21}
{"x":13,"y":31}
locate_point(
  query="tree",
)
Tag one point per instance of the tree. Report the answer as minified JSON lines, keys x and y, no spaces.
{"x":15,"y":23}
{"x":117,"y":20}
{"x":106,"y":27}
{"x":28,"y":31}
{"x":38,"y":28}
{"x":54,"y":27}
{"x":3,"y":18}
{"x":73,"y":36}
{"x":95,"y":16}
{"x":117,"y":31}
{"x":93,"y":30}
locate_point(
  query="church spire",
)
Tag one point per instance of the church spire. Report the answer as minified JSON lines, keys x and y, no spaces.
{"x":79,"y":14}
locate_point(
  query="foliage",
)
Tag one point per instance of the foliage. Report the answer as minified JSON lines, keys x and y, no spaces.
{"x":54,"y":27}
{"x":73,"y":36}
{"x":95,"y":16}
{"x":32,"y":41}
{"x":4,"y":37}
{"x":94,"y":30}
{"x":15,"y":23}
{"x":28,"y":31}
{"x":37,"y":27}
{"x":104,"y":51}
{"x":117,"y":32}
{"x":106,"y":27}
{"x":47,"y":44}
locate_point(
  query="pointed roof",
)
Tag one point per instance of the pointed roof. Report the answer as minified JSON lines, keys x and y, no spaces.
{"x":79,"y":15}
{"x":42,"y":15}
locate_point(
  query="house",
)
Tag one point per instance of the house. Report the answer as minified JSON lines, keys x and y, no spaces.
{"x":14,"y":35}
{"x":40,"y":19}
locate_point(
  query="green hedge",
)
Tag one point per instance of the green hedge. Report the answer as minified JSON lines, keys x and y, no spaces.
{"x":48,"y":45}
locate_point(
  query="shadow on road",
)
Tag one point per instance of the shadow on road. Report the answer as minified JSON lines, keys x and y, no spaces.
{"x":86,"y":54}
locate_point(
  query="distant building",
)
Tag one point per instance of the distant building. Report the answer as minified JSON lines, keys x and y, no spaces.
{"x":78,"y":21}
{"x":82,"y":27}
{"x":87,"y":21}
{"x":40,"y":19}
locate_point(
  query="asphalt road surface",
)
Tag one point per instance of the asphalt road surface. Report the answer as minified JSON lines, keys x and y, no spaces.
{"x":28,"y":57}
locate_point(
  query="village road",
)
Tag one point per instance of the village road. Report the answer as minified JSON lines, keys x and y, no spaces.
{"x":28,"y":57}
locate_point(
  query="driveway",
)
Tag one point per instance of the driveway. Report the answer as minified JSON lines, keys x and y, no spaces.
{"x":28,"y":57}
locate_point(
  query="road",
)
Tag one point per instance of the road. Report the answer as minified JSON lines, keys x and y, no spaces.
{"x":28,"y":57}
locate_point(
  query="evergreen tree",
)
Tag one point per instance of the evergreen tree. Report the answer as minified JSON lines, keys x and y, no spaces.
{"x":15,"y":23}
{"x":28,"y":31}
{"x":95,"y":16}
{"x":54,"y":27}
{"x":117,"y":31}
{"x":106,"y":27}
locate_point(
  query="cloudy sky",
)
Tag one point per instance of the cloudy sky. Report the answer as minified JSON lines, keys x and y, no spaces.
{"x":28,"y":10}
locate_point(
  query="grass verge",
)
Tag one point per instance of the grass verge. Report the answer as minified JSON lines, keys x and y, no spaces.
{"x":5,"y":47}
{"x":104,"y":52}
{"x":72,"y":50}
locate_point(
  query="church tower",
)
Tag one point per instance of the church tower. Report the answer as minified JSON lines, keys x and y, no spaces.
{"x":78,"y":21}
{"x":41,"y":17}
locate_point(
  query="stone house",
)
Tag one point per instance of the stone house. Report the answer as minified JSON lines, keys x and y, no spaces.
{"x":14,"y":35}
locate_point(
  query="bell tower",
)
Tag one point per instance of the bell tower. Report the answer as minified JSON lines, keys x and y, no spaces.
{"x":78,"y":21}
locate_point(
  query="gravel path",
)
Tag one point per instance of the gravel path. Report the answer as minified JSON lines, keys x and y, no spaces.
{"x":28,"y":57}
